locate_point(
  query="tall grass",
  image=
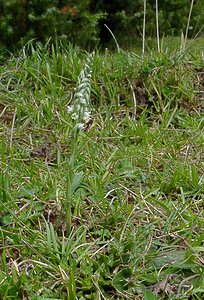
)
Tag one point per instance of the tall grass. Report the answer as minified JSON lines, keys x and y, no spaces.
{"x":157,"y":25}
{"x":183,"y":42}
{"x":144,"y":25}
{"x":188,"y":23}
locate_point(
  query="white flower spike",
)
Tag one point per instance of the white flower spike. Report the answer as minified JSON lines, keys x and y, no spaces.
{"x":80,"y":108}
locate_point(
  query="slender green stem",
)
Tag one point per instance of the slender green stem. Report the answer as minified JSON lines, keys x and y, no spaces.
{"x":70,"y":175}
{"x":188,"y":23}
{"x":157,"y":26}
{"x":143,"y":31}
{"x":68,"y":203}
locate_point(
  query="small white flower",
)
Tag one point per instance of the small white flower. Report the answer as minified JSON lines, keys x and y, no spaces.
{"x":86,"y":95}
{"x":70,"y":108}
{"x":82,"y":74}
{"x":83,"y":101}
{"x":74,"y":116}
{"x":79,"y":95}
{"x":87,"y":115}
{"x":80,"y":126}
{"x":77,"y":108}
{"x":86,"y":80}
{"x":84,"y":85}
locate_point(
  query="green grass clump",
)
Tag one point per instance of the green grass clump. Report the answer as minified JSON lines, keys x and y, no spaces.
{"x":123,"y":218}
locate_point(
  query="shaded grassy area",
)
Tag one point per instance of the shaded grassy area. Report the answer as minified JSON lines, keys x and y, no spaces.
{"x":137,"y":206}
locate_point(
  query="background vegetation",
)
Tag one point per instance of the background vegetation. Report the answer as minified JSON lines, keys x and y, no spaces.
{"x":82,"y":22}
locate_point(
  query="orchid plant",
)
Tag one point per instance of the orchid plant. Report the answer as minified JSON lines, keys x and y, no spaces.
{"x":80,"y":114}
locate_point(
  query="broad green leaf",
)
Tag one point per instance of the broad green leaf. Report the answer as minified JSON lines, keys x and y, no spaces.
{"x":149,"y":295}
{"x":76,"y":181}
{"x":120,"y":281}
